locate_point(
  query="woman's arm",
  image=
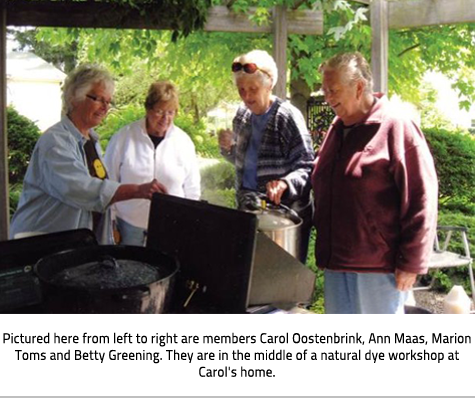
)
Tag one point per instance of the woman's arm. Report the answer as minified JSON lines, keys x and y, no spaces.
{"x":416,"y":179}
{"x":301,"y":156}
{"x":227,"y":144}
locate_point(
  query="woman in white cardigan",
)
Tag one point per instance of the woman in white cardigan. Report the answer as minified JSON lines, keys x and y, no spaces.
{"x":152,"y":148}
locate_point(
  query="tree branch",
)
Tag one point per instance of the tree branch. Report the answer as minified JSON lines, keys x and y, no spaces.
{"x":409,"y":49}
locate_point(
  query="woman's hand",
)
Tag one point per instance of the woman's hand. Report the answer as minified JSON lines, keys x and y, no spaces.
{"x":275,"y":190}
{"x":404,"y":280}
{"x":226,"y":139}
{"x":147,"y":190}
{"x":134,"y":191}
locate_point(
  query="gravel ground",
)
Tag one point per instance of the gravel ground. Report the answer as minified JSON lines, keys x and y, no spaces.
{"x":432,"y":301}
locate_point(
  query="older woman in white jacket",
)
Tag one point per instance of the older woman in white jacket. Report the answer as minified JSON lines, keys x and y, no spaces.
{"x":152,"y":148}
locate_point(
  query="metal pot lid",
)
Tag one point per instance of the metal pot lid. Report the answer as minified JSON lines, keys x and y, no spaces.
{"x":268,"y":221}
{"x":108,"y":273}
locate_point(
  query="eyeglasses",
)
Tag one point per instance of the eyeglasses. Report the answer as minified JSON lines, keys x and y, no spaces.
{"x":161,"y":113}
{"x":249,"y":68}
{"x":97,"y":99}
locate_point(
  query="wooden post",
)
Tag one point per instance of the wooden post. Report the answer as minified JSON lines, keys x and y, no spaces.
{"x":4,"y":190}
{"x":280,"y":50}
{"x":380,"y":44}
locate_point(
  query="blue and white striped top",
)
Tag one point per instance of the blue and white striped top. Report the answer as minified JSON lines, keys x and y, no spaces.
{"x":285,"y":153}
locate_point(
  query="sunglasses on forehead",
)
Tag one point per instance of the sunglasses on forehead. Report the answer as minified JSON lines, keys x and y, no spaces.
{"x":249,"y":68}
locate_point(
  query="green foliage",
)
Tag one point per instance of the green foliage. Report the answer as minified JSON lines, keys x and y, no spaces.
{"x":206,"y":145}
{"x":218,"y":176}
{"x":22,"y":137}
{"x":318,"y":293}
{"x":345,"y":29}
{"x":454,"y":155}
{"x":133,"y":88}
{"x":118,"y":118}
{"x":199,"y":65}
{"x":459,"y":205}
{"x":318,"y":304}
{"x":220,"y":197}
{"x":461,"y":220}
{"x":14,"y":196}
{"x":182,"y":16}
{"x":447,"y":49}
{"x":217,"y":184}
{"x":62,"y":54}
{"x":444,"y":281}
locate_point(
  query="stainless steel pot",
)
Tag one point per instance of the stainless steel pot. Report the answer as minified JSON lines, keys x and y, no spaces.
{"x":282,"y":225}
{"x":278,"y":222}
{"x":107,"y":279}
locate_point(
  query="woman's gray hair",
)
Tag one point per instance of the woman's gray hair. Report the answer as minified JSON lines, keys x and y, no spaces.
{"x":80,"y":81}
{"x":353,"y":68}
{"x":267,"y":69}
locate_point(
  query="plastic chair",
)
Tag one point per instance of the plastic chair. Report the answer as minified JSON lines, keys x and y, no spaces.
{"x":442,"y":258}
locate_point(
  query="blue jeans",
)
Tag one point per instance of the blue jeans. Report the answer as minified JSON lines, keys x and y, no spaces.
{"x":129,"y":234}
{"x":362,"y":293}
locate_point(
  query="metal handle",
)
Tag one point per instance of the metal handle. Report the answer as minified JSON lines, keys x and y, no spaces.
{"x":258,"y":201}
{"x":193,"y":287}
{"x":272,"y":206}
{"x":110,"y":262}
{"x":286,"y":209}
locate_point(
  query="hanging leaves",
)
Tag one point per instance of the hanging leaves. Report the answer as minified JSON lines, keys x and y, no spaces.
{"x":184,"y":16}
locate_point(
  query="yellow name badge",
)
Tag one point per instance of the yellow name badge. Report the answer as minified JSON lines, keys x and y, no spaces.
{"x":99,"y":169}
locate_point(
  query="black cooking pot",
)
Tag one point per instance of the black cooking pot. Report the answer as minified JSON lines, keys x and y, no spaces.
{"x":107,"y":279}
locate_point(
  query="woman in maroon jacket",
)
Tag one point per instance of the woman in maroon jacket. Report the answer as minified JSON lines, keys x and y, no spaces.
{"x":375,"y":195}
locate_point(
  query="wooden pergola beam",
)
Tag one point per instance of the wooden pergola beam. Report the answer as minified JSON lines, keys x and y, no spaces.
{"x":4,"y":198}
{"x":367,"y":2}
{"x":418,"y":13}
{"x":111,"y":15}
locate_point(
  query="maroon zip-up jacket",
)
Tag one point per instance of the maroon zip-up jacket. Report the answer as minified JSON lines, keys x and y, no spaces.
{"x":375,"y":195}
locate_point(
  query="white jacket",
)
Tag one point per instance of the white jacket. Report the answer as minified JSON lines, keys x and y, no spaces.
{"x":131,"y":158}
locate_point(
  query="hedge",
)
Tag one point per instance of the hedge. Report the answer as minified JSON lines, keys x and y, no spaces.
{"x":22,"y":136}
{"x":454,"y":157}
